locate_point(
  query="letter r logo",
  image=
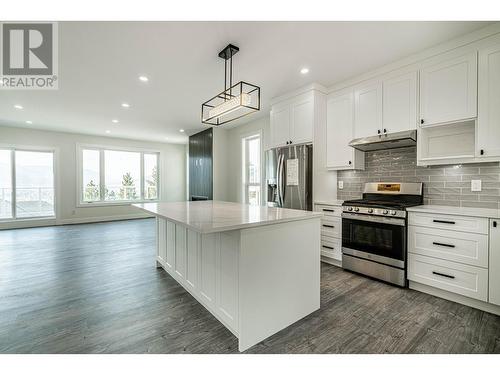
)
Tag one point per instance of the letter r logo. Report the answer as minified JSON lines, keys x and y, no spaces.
{"x":27,"y":49}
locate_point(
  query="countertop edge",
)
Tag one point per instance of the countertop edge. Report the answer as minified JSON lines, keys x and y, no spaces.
{"x":312,"y":215}
{"x":489,"y":213}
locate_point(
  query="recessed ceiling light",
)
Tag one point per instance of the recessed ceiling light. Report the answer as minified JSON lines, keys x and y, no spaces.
{"x":181,"y":130}
{"x":304,"y":70}
{"x":18,"y":106}
{"x":125,"y":105}
{"x":115,"y":121}
{"x":143,"y":78}
{"x":29,"y":122}
{"x":108,"y":131}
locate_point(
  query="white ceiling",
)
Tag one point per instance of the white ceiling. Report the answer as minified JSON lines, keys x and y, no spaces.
{"x":99,"y":65}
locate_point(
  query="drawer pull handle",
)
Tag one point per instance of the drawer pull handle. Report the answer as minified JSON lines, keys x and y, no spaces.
{"x":328,"y":210}
{"x":328,"y":226}
{"x":443,"y":274}
{"x":328,"y":247}
{"x":444,"y":221}
{"x":442,"y":244}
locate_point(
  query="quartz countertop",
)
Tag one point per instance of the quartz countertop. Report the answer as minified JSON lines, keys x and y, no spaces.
{"x":492,"y":213}
{"x":218,"y":216}
{"x":333,"y":202}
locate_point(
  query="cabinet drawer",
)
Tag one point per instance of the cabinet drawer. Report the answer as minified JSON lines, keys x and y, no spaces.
{"x":334,"y":211}
{"x":451,"y":222}
{"x":330,"y":227}
{"x":454,"y":277}
{"x":331,"y":248}
{"x":467,"y":248}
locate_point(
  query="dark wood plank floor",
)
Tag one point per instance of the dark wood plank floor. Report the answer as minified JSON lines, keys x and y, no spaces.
{"x":94,"y":288}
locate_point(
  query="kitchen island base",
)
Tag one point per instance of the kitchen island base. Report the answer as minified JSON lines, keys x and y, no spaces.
{"x":256,"y":281}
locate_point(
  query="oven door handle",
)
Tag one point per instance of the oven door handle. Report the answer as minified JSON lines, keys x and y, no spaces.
{"x":374,"y":219}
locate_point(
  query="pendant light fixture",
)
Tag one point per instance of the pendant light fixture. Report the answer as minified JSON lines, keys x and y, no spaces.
{"x":235,"y":101}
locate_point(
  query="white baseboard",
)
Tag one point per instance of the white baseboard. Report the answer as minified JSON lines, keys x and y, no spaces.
{"x":84,"y":220}
{"x":29,"y":223}
{"x":98,"y":219}
{"x":480,"y":305}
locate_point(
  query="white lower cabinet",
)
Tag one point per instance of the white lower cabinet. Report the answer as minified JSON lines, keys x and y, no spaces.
{"x":206,"y":265}
{"x":331,"y":233}
{"x":459,"y":255}
{"x":454,"y":277}
{"x":494,"y":288}
{"x":461,"y":247}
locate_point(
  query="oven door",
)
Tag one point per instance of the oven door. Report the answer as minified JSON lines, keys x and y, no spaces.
{"x":377,"y":238}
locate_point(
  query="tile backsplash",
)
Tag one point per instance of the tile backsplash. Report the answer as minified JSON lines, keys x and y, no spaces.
{"x":444,"y":184}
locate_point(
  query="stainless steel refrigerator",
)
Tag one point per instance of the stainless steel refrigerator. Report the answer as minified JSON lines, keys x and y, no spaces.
{"x":289,"y":177}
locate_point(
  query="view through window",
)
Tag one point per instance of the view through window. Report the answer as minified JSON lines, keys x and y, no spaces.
{"x":116,"y":175}
{"x":252,"y":169}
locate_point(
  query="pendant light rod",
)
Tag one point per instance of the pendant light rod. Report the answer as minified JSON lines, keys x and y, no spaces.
{"x":227,"y":54}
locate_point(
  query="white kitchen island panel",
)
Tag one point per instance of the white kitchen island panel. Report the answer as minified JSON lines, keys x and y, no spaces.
{"x":255,"y":280}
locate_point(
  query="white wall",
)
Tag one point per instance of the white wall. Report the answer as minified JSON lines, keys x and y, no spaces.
{"x":172,"y":172}
{"x":234,"y":155}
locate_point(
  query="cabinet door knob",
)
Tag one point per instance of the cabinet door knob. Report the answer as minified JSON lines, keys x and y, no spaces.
{"x":481,"y":152}
{"x":378,"y":131}
{"x":494,"y":224}
{"x":350,"y":162}
{"x":422,"y":121}
{"x":385,"y":130}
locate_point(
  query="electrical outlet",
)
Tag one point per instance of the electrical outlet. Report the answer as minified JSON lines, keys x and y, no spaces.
{"x":341,"y":184}
{"x":475,"y":185}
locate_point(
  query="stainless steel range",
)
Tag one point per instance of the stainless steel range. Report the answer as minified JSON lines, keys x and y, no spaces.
{"x":374,"y":230}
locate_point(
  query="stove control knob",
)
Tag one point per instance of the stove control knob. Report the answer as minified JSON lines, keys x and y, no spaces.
{"x":356,"y":209}
{"x":349,"y":208}
{"x":385,"y":212}
{"x":370,"y":210}
{"x":393,"y":212}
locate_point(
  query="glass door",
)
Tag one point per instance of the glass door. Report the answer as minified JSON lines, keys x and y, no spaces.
{"x":27,"y":188}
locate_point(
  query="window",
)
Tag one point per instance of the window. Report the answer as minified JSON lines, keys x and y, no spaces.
{"x":112,"y":176}
{"x":252,"y":169}
{"x":5,"y":184}
{"x":26,"y":184}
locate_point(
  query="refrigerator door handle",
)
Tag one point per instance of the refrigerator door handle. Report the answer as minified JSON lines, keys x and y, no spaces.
{"x":279,"y":180}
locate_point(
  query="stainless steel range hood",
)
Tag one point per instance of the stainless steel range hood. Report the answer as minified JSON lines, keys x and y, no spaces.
{"x":385,"y":141}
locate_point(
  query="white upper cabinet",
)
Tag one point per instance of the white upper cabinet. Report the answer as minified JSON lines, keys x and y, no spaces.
{"x":280,"y":125}
{"x":488,"y":122}
{"x":292,"y":120}
{"x":368,"y":110}
{"x":448,"y":89}
{"x":302,"y":120}
{"x":400,"y":103}
{"x":339,"y":132}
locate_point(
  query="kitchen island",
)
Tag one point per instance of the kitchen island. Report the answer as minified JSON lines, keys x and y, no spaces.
{"x":255,"y":268}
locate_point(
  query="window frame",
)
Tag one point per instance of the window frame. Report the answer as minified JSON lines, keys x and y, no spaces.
{"x":245,"y":170}
{"x":55,"y":154}
{"x":101,"y":148}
